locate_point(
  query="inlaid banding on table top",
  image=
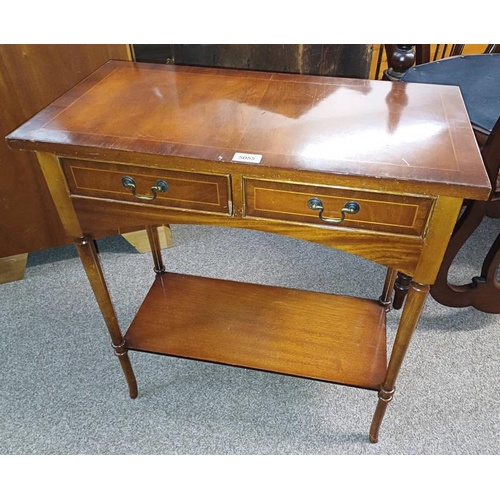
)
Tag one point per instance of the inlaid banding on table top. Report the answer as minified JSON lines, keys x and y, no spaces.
{"x":194,"y":109}
{"x":249,"y":118}
{"x":321,"y":125}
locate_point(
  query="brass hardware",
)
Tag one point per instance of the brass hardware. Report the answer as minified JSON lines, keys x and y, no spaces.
{"x":129,"y":183}
{"x":351,"y":207}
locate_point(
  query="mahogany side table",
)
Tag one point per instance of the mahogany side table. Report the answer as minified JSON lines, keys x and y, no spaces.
{"x":375,"y":168}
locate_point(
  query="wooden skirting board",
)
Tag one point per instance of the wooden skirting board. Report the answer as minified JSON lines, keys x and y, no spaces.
{"x":12,"y":268}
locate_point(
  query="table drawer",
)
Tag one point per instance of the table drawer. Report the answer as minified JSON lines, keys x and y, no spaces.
{"x":183,"y":190}
{"x":378,"y":212}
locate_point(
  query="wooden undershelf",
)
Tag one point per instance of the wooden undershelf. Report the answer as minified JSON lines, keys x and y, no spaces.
{"x":307,"y":334}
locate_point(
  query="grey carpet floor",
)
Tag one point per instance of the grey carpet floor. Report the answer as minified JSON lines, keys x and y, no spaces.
{"x":62,"y":391}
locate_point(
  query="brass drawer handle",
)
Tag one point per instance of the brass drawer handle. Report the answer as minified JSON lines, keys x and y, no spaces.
{"x":129,"y":183}
{"x":351,"y":207}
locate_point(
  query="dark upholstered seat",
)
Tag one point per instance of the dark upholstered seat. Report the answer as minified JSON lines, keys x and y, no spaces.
{"x":477,"y":76}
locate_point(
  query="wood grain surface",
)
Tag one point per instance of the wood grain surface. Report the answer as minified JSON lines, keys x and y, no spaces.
{"x":317,"y":124}
{"x":315,"y":335}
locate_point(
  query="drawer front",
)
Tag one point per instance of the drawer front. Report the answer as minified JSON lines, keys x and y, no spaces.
{"x":377,"y":212}
{"x":184,"y":190}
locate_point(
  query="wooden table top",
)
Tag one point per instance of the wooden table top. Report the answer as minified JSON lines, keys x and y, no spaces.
{"x":403,"y":131}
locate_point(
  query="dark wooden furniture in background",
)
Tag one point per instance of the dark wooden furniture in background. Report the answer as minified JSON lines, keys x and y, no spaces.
{"x":400,"y":58}
{"x":483,"y":293}
{"x":346,"y":60}
{"x":31,"y":77}
{"x":380,"y":52}
{"x":478,"y":77}
{"x":308,"y":157}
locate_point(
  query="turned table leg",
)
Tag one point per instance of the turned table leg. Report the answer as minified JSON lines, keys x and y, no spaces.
{"x":90,"y":260}
{"x":386,"y":297}
{"x":401,"y":287}
{"x":154,"y":243}
{"x":409,"y":319}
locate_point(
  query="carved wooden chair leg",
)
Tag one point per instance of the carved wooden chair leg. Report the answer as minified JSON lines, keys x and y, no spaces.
{"x":386,"y":297}
{"x":90,"y":260}
{"x":485,"y":289}
{"x":483,"y":292}
{"x":401,"y":287}
{"x":491,"y":262}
